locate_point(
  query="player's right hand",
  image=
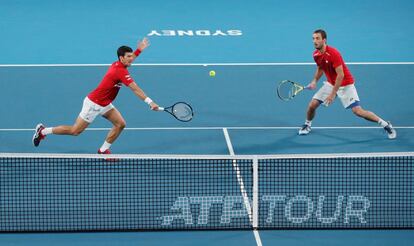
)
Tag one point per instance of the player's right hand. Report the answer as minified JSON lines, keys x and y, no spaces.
{"x":154,"y":106}
{"x":311,"y":85}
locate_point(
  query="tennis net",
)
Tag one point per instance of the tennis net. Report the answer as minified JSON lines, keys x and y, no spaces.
{"x":57,"y":192}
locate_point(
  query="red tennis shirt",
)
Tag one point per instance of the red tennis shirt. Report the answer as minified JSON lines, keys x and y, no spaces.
{"x":330,"y":60}
{"x":108,"y":89}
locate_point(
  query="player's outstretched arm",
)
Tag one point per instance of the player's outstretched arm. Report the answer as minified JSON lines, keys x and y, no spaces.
{"x":141,"y":95}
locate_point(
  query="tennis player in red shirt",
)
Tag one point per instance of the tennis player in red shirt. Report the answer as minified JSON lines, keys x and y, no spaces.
{"x":99,"y":101}
{"x":339,"y":83}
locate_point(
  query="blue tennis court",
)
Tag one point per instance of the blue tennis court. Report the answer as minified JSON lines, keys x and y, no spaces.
{"x":54,"y":53}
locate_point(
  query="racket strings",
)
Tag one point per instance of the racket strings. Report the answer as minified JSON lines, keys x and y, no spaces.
{"x":182,"y":111}
{"x":288,"y":89}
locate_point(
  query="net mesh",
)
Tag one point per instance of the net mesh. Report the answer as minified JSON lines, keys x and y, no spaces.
{"x":59,"y":193}
{"x":366,"y":192}
{"x":78,"y":194}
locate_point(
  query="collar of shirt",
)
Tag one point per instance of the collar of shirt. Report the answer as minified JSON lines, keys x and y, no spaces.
{"x":319,"y":53}
{"x":119,"y":63}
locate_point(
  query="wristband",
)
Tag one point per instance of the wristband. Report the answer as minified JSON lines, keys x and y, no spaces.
{"x":148,"y":100}
{"x":137,"y":52}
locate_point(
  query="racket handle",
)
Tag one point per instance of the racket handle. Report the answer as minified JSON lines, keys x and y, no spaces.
{"x":160,"y":109}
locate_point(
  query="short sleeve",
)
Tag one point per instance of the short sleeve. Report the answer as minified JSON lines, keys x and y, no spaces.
{"x":125,"y":77}
{"x":336,"y":59}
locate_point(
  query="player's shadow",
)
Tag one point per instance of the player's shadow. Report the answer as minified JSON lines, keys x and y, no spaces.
{"x":320,"y":142}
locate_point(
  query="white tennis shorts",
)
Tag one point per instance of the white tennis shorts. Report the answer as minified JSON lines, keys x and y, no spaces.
{"x":347,"y":94}
{"x":90,"y":110}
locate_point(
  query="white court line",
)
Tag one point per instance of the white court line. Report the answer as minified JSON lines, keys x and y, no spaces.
{"x":241,"y":183}
{"x":204,"y":64}
{"x":219,"y":128}
{"x":228,"y":141}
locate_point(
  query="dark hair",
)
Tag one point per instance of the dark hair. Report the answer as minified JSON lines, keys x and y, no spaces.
{"x":122,"y":50}
{"x":322,"y":32}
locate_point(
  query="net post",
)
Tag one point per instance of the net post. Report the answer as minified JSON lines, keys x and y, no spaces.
{"x":255,"y":192}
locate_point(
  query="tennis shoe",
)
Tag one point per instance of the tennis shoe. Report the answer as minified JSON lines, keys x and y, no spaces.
{"x":392,"y":133}
{"x":305,"y":130}
{"x":38,"y":136}
{"x":106,"y":152}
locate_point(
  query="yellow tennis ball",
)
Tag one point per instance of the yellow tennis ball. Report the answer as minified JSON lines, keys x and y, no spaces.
{"x":212,"y":73}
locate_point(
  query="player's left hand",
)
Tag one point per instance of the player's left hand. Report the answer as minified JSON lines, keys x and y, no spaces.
{"x":143,"y":44}
{"x":154,"y":106}
{"x":330,"y":99}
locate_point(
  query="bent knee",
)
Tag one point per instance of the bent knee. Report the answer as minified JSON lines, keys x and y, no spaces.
{"x":76,"y":132}
{"x":314,"y":104}
{"x":120,"y":125}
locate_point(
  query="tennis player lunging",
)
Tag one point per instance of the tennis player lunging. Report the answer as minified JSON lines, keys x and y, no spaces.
{"x":99,"y":101}
{"x":340,"y":83}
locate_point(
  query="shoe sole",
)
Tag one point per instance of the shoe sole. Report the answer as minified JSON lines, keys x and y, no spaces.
{"x":395,"y":132}
{"x":36,"y":134}
{"x":302,"y":134}
{"x":393,"y":137}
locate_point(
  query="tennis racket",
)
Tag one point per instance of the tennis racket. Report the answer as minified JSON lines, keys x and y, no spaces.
{"x":287,"y":90}
{"x":181,"y":111}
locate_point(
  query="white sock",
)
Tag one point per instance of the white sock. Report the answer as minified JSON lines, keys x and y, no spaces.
{"x":382,"y":122}
{"x":308,"y":122}
{"x":105,"y":146}
{"x":47,"y":131}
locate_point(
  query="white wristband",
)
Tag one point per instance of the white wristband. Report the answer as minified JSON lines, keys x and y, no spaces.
{"x":148,"y":100}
